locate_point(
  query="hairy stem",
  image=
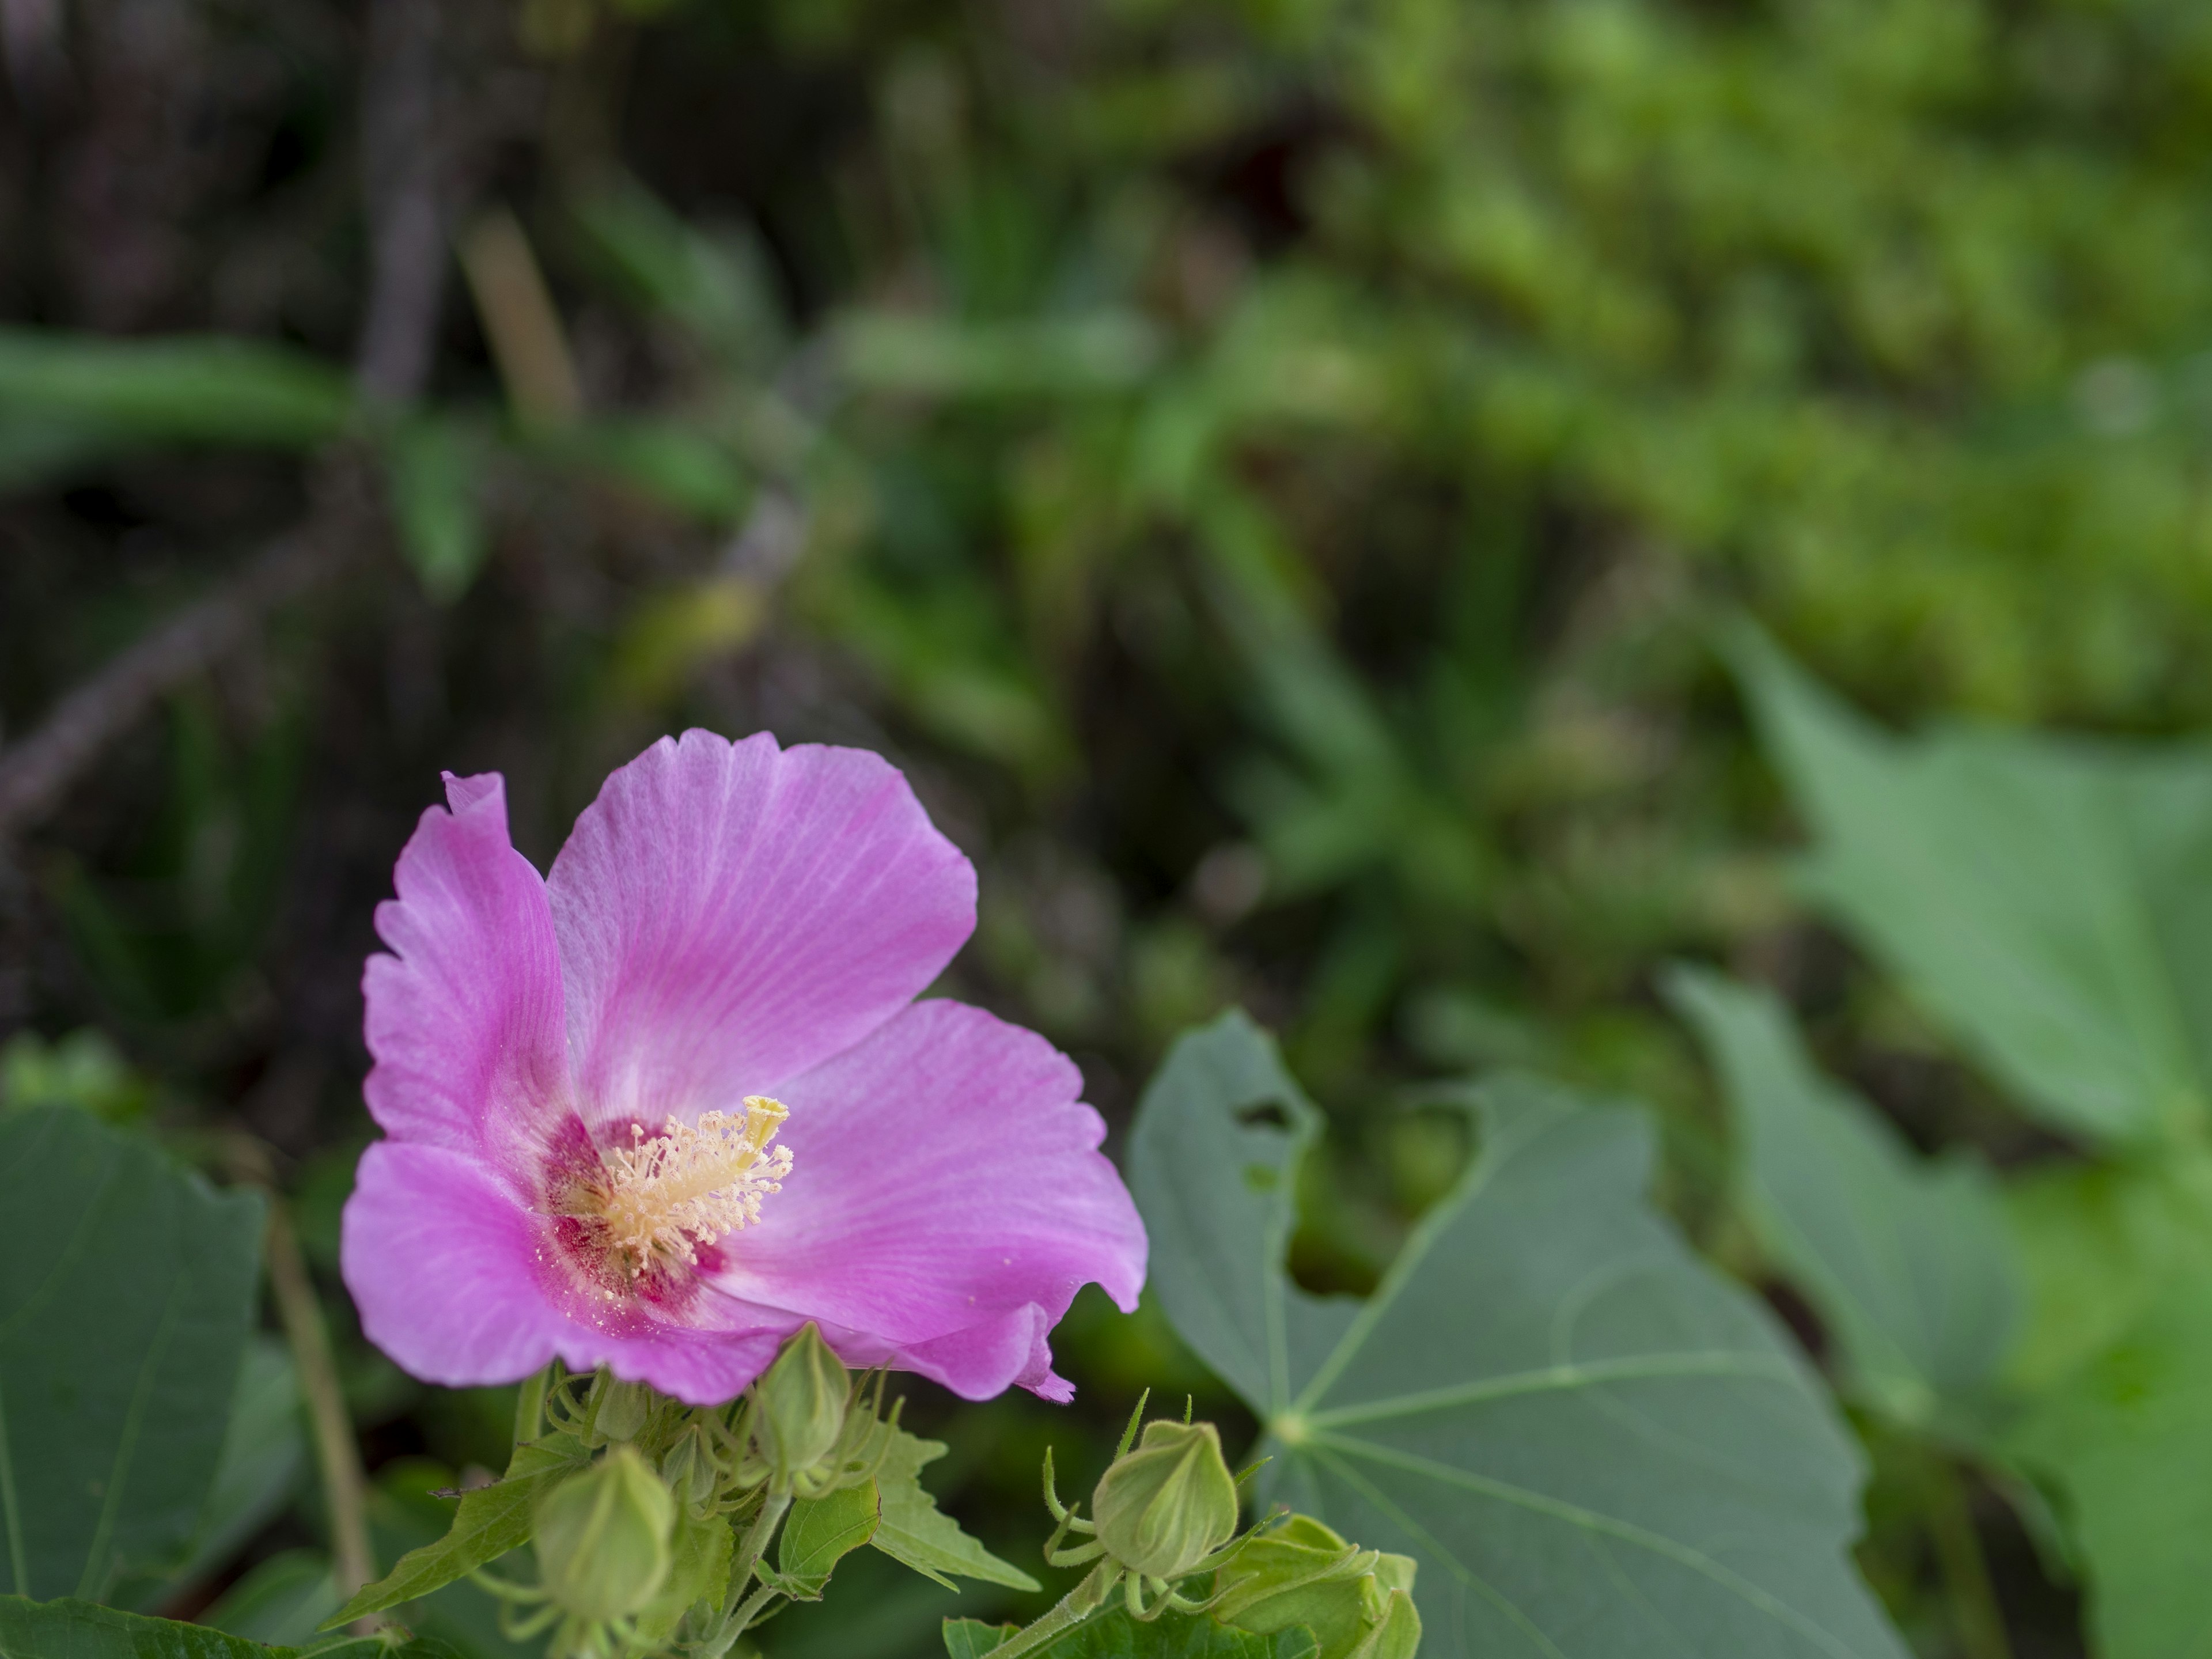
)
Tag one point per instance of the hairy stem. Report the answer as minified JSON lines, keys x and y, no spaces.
{"x":344,"y":1488}
{"x":1071,"y":1610}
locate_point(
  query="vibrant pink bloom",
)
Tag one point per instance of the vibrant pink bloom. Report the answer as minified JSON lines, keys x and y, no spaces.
{"x":583,"y":1078}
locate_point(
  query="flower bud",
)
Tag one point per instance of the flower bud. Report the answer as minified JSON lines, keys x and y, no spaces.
{"x":621,"y":1410}
{"x":602,"y":1537}
{"x":1163,"y":1508}
{"x":799,"y":1404}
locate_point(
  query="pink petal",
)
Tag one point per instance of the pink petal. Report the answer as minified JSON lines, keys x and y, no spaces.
{"x":465,"y":1022}
{"x":946,"y":1201}
{"x":446,"y":1269}
{"x":732,"y":914}
{"x":462,"y":1287}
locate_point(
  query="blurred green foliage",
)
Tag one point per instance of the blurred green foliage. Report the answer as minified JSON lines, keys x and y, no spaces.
{"x":1270,"y":469}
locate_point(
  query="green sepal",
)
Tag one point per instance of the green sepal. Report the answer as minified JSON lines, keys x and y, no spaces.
{"x":490,"y":1521}
{"x":915,"y":1532}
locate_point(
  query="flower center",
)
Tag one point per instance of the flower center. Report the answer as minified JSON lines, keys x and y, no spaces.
{"x":668,"y":1194}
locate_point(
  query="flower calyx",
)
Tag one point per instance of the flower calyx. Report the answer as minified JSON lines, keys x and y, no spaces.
{"x":806,"y":1421}
{"x":1165,"y":1507}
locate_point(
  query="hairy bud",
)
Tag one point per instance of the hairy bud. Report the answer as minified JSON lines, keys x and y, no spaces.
{"x":798,"y":1406}
{"x":690,"y":1470}
{"x":602,"y":1537}
{"x":1162,"y":1508}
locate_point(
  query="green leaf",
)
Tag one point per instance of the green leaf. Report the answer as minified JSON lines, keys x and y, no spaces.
{"x":1590,"y":1442}
{"x":125,"y":1296}
{"x":677,"y":467}
{"x":1910,"y":1262}
{"x":2050,"y":900}
{"x":490,"y":1521}
{"x":1102,"y":351}
{"x":70,"y":1629}
{"x":699,"y":1570}
{"x":280,"y":1601}
{"x":265,"y":1453}
{"x":823,"y":1531}
{"x":433,"y":466}
{"x":913,"y":1530}
{"x":2127,"y":1437}
{"x":183,"y":390}
{"x":1116,"y":1635}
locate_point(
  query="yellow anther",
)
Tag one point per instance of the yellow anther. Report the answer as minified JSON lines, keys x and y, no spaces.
{"x":691,"y":1184}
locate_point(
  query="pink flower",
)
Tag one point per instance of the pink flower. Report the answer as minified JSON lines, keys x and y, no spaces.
{"x":584,"y":1082}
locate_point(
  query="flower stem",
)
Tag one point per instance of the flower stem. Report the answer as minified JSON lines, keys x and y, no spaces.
{"x":1071,"y":1610}
{"x":344,"y":1486}
{"x":739,"y":1609}
{"x":530,"y":1407}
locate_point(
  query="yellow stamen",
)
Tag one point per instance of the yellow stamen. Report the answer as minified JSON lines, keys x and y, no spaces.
{"x":689,"y":1185}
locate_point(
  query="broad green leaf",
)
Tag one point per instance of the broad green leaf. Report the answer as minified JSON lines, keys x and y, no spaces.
{"x":184,"y":390}
{"x":488,"y":1522}
{"x":1591,"y":1443}
{"x":1116,"y":1635}
{"x":70,"y":1629}
{"x":125,"y":1297}
{"x":823,"y":1531}
{"x":280,"y":1601}
{"x":2128,"y":1437}
{"x":265,"y":1455}
{"x":434,"y":464}
{"x":2098,"y":1243}
{"x":2050,"y":900}
{"x":914,"y":1531}
{"x":1910,"y":1261}
{"x":677,"y":466}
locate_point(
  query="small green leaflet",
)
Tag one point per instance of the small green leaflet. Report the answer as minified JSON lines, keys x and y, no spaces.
{"x":916,"y":1532}
{"x":1910,"y":1262}
{"x":490,"y":1521}
{"x":1592,"y":1444}
{"x":70,"y":1629}
{"x":2050,"y":901}
{"x":1114,"y":1635}
{"x":820,"y":1533}
{"x":125,"y":1296}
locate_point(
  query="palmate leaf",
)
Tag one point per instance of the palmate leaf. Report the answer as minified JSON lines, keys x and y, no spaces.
{"x":125,"y":1295}
{"x":2050,"y":901}
{"x":1909,"y":1262}
{"x":70,"y":1629}
{"x":1593,"y":1446}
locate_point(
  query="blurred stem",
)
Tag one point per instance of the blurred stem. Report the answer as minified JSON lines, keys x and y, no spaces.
{"x":530,"y":1407}
{"x":344,"y":1488}
{"x":521,"y":323}
{"x":1974,"y":1610}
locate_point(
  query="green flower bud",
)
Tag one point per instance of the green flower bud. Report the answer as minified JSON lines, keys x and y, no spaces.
{"x":1398,"y":1636}
{"x":602,"y":1537}
{"x":622,"y":1410}
{"x":1163,"y":1508}
{"x":798,"y":1406}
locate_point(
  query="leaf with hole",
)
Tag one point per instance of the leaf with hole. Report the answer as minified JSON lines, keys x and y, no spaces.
{"x":1591,"y":1443}
{"x":125,"y":1297}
